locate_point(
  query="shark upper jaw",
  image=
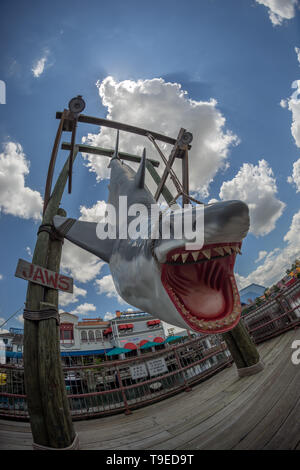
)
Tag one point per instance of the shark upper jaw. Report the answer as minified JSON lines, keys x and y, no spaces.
{"x":202,"y":287}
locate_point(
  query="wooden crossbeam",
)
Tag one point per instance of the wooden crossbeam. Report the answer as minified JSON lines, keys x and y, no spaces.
{"x":156,"y":178}
{"x":174,"y":153}
{"x":107,"y":153}
{"x":120,"y":126}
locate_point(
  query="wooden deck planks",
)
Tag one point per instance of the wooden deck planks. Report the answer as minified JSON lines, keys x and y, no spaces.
{"x":224,"y":412}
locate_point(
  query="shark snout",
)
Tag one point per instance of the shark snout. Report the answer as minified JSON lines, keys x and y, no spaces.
{"x":219,"y":222}
{"x":226,"y":221}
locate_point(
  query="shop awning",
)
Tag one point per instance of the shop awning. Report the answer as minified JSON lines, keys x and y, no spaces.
{"x":130,"y":346}
{"x":124,"y":327}
{"x":92,"y":352}
{"x":172,"y":338}
{"x":158,"y":339}
{"x":149,"y":344}
{"x":117,"y":351}
{"x":153,"y":322}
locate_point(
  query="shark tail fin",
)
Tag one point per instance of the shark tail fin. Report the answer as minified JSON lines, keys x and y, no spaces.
{"x":84,"y":235}
{"x":141,"y":173}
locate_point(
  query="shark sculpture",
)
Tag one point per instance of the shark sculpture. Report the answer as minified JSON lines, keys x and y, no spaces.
{"x":194,"y":289}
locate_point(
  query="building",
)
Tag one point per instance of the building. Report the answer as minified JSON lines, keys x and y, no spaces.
{"x":251,"y":292}
{"x":127,"y":334}
{"x":11,"y":346}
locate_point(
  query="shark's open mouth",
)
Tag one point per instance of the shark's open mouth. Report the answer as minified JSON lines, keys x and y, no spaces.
{"x":202,"y":286}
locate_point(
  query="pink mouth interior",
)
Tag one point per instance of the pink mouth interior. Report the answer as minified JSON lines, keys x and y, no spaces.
{"x":203,"y":287}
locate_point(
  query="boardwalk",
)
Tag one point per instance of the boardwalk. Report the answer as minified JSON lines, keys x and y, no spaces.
{"x":258,"y":412}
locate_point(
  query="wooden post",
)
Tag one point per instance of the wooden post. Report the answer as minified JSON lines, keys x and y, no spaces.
{"x":127,"y":409}
{"x":185,"y":177}
{"x":241,"y":346}
{"x":54,"y":397}
{"x":38,"y":336}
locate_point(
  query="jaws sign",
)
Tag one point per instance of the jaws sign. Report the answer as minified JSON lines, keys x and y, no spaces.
{"x":45,"y":277}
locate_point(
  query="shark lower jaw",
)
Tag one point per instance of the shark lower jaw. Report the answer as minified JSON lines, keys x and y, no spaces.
{"x":202,"y":286}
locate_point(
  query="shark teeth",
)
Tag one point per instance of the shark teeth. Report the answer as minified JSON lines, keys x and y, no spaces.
{"x":219,"y":250}
{"x":206,"y":254}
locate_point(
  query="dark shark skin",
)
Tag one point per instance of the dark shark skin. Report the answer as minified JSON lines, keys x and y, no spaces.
{"x":190,"y":289}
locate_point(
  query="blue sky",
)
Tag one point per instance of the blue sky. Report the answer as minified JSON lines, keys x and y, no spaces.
{"x":236,"y":61}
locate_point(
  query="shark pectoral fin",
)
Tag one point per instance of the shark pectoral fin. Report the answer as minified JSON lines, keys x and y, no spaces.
{"x":84,"y":235}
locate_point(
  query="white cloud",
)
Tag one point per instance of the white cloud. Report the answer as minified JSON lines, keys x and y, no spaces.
{"x":80,"y":264}
{"x":283,"y":103}
{"x":106,"y":286}
{"x":278,"y":260}
{"x":20,"y":318}
{"x":109,"y":316}
{"x":3,"y":330}
{"x":297,"y":50}
{"x":94,"y":213}
{"x":241,"y":281}
{"x":295,"y":178}
{"x":84,"y":309}
{"x":261,"y":255}
{"x":1,"y":277}
{"x":29,"y":252}
{"x":293,"y":104}
{"x":280,"y":10}
{"x":294,"y":107}
{"x":15,"y":198}
{"x":66,"y":298}
{"x":256,"y":186}
{"x":39,"y":65}
{"x":212,"y":201}
{"x":163,"y":107}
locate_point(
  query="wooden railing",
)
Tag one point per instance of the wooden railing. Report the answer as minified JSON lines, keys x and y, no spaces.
{"x":110,"y":387}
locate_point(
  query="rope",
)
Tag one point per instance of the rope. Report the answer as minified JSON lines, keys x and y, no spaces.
{"x":73,"y":446}
{"x":49,"y":228}
{"x":61,"y":232}
{"x":38,"y":315}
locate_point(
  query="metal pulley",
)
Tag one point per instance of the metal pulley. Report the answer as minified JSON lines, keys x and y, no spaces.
{"x":76,"y":105}
{"x":186,"y":139}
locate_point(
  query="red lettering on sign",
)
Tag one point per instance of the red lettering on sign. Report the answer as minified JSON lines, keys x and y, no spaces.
{"x":64,"y":283}
{"x":38,"y":275}
{"x":51,"y":279}
{"x":26,"y":274}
